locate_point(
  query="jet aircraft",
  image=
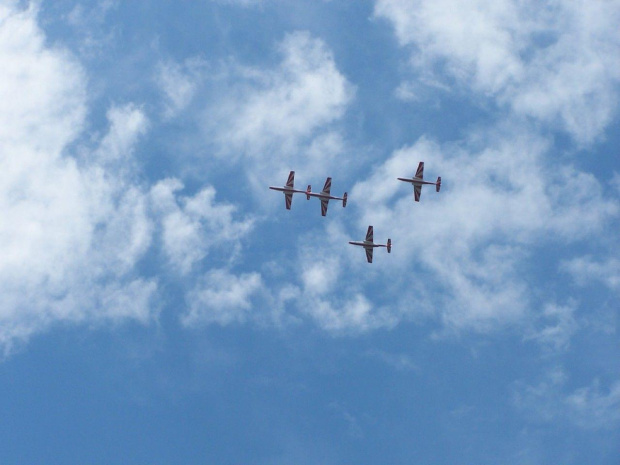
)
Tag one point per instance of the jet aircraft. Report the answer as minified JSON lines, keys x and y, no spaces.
{"x":289,"y":190}
{"x":325,"y":196}
{"x":418,"y":181}
{"x":369,"y":245}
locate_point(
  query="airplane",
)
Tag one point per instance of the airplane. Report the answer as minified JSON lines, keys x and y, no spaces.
{"x":325,"y":196}
{"x":289,"y":190}
{"x":418,"y":181}
{"x":369,"y":245}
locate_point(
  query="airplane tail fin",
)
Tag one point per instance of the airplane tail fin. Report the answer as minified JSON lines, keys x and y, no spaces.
{"x":389,"y":246}
{"x":308,"y":190}
{"x":344,"y":200}
{"x":438,"y":185}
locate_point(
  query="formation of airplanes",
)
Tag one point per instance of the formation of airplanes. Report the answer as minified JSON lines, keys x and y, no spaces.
{"x":325,"y":196}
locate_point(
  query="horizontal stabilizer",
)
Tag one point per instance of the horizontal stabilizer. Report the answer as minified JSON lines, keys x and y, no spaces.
{"x":438,"y":185}
{"x":344,"y":200}
{"x":389,"y":246}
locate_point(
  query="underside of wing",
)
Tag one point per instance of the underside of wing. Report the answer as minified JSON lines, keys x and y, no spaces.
{"x":417,"y":191}
{"x":369,"y":234}
{"x":324,"y":203}
{"x":288,"y":199}
{"x":369,"y":255}
{"x":328,"y":186}
{"x":291,"y":179}
{"x":420,"y":172}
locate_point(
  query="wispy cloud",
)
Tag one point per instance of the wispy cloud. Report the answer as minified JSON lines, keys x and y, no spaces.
{"x":398,"y":361}
{"x":587,"y":269}
{"x":89,"y":22}
{"x":589,"y":407}
{"x":594,"y":407}
{"x":128,"y":124}
{"x":556,"y":326}
{"x":73,"y":231}
{"x":500,"y":198}
{"x":223,"y":298}
{"x":245,"y":3}
{"x":554,"y":61}
{"x":179,"y":83}
{"x":277,"y":117}
{"x":43,"y":89}
{"x":191,"y":226}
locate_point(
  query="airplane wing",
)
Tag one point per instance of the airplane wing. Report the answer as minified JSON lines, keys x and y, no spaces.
{"x":369,"y":234}
{"x":420,"y":172}
{"x":324,"y":203}
{"x":288,"y":199}
{"x":291,"y":179}
{"x":417,"y":191}
{"x":328,"y":185}
{"x":369,"y":254}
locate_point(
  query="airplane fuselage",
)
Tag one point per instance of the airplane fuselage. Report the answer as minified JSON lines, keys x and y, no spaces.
{"x":286,"y":190}
{"x":416,"y":181}
{"x":320,"y":195}
{"x":366,"y":245}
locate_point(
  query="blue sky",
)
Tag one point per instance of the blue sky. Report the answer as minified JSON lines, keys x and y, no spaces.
{"x":161,"y":306}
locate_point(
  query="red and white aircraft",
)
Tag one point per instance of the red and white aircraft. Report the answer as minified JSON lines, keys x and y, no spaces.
{"x":325,"y":196}
{"x":418,"y":181}
{"x":289,"y":190}
{"x":369,"y":245}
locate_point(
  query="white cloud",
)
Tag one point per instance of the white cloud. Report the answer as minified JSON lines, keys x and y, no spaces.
{"x":79,"y":16}
{"x":592,"y":407}
{"x":480,"y":37}
{"x":555,"y":61}
{"x":556,"y":327}
{"x":475,"y":236}
{"x":319,"y":276}
{"x":589,"y":407}
{"x":542,"y":400}
{"x":264,"y":121}
{"x":615,"y":181}
{"x":71,"y":245}
{"x":179,"y":84}
{"x":399,"y":362}
{"x":245,"y":3}
{"x":127,"y":124}
{"x":90,"y":24}
{"x":222,"y":298}
{"x":344,"y":315}
{"x":463,"y":255}
{"x":279,"y":117}
{"x":330,"y":294}
{"x":72,"y":232}
{"x":42,"y":89}
{"x":193,"y":225}
{"x":420,"y":90}
{"x":586,"y":268}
